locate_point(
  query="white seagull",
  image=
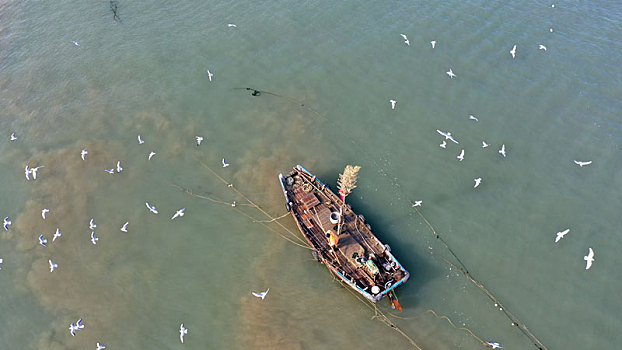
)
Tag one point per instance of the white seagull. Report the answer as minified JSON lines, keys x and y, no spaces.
{"x":542,"y":47}
{"x":180,"y":212}
{"x":140,"y":140}
{"x":76,"y":43}
{"x":92,"y":225}
{"x":589,"y":258}
{"x":44,"y":212}
{"x":495,"y":345}
{"x":477,"y":182}
{"x":199,"y":139}
{"x":13,"y":137}
{"x":451,"y":74}
{"x":27,"y":172}
{"x":57,"y":234}
{"x":209,"y":75}
{"x":124,"y":227}
{"x":261,"y":295}
{"x":99,"y":346}
{"x":33,"y":171}
{"x":581,"y":164}
{"x":443,"y":144}
{"x":93,"y":238}
{"x":43,"y":241}
{"x":406,"y":41}
{"x":151,"y":155}
{"x":109,"y":171}
{"x":461,"y":155}
{"x":551,"y":30}
{"x":561,"y":234}
{"x":182,"y":332}
{"x":1,"y":261}
{"x":484,"y":144}
{"x":502,"y":150}
{"x":417,"y":204}
{"x":513,"y":51}
{"x":83,"y":154}
{"x":231,"y":25}
{"x":393,"y":102}
{"x":73,"y":329}
{"x":224,"y":163}
{"x":119,"y":169}
{"x":472,"y":117}
{"x":151,"y":208}
{"x":447,"y":135}
{"x":433,"y":42}
{"x":79,"y":324}
{"x":53,"y":266}
{"x":6,"y":223}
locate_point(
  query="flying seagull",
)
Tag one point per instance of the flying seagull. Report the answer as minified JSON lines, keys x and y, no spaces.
{"x":406,"y":41}
{"x":53,"y":266}
{"x":151,"y":208}
{"x":477,"y":182}
{"x":109,"y":171}
{"x":513,"y":51}
{"x":73,"y":329}
{"x":151,"y":155}
{"x":27,"y":172}
{"x":124,"y":227}
{"x":44,"y":212}
{"x":1,"y":261}
{"x":495,"y":345}
{"x":6,"y":223}
{"x":484,"y":144}
{"x":180,"y":212}
{"x":542,"y":47}
{"x":119,"y":169}
{"x":33,"y":171}
{"x":140,"y":140}
{"x":13,"y":137}
{"x":224,"y":163}
{"x":443,"y":144}
{"x":209,"y":75}
{"x":461,"y":155}
{"x":83,"y":154}
{"x":417,"y":203}
{"x":43,"y":241}
{"x":581,"y":164}
{"x":100,"y":346}
{"x":93,"y":238}
{"x":451,"y":74}
{"x":589,"y":258}
{"x":79,"y":324}
{"x":230,"y":25}
{"x":502,"y":150}
{"x":261,"y":295}
{"x":57,"y":234}
{"x":447,"y":135}
{"x":92,"y":225}
{"x":393,"y":102}
{"x":199,"y":139}
{"x":472,"y":117}
{"x":76,"y":43}
{"x":561,"y":234}
{"x":433,"y":42}
{"x":182,"y":332}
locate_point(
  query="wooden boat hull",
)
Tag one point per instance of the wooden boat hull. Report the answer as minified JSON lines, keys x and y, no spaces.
{"x":359,"y":260}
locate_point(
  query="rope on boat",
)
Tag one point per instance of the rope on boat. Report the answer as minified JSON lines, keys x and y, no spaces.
{"x":461,"y":328}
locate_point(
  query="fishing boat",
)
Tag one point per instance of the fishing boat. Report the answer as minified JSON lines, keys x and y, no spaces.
{"x":340,"y":238}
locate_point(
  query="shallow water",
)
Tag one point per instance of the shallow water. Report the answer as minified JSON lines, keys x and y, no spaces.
{"x":327,"y":72}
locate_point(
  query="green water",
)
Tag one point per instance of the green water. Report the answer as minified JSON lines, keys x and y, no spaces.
{"x":327,"y":71}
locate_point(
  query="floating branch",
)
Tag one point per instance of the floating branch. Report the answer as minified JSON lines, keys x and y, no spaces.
{"x":114,"y":5}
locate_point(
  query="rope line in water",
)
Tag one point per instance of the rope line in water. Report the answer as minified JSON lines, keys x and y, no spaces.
{"x":461,"y":328}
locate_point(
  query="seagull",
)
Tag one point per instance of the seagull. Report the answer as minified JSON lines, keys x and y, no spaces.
{"x":461,"y":155}
{"x":83,"y":154}
{"x":261,"y":295}
{"x":152,"y":208}
{"x":119,"y":169}
{"x":495,"y":345}
{"x":109,"y":171}
{"x":472,"y":117}
{"x":53,"y":266}
{"x":484,"y":144}
{"x":124,"y":227}
{"x":502,"y":150}
{"x":233,"y":204}
{"x":433,"y":42}
{"x":443,"y":144}
{"x":477,"y":182}
{"x":56,"y":234}
{"x":79,"y":324}
{"x":589,"y":258}
{"x":93,"y":238}
{"x":6,"y":223}
{"x":224,"y":163}
{"x":76,"y":43}
{"x":561,"y":234}
{"x":451,"y":74}
{"x":43,"y":241}
{"x":230,"y":25}
{"x":551,"y":30}
{"x":199,"y":139}
{"x":33,"y":171}
{"x":1,"y":261}
{"x":100,"y":347}
{"x":542,"y":47}
{"x":182,"y":332}
{"x":513,"y":51}
{"x":393,"y":102}
{"x":447,"y":135}
{"x":581,"y":164}
{"x":406,"y":41}
{"x":180,"y":212}
{"x":140,"y":140}
{"x":417,"y":204}
{"x":151,"y":155}
{"x":209,"y":75}
{"x":44,"y":211}
{"x":13,"y":137}
{"x":27,"y":172}
{"x":72,"y":329}
{"x":553,"y":5}
{"x":92,"y":225}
